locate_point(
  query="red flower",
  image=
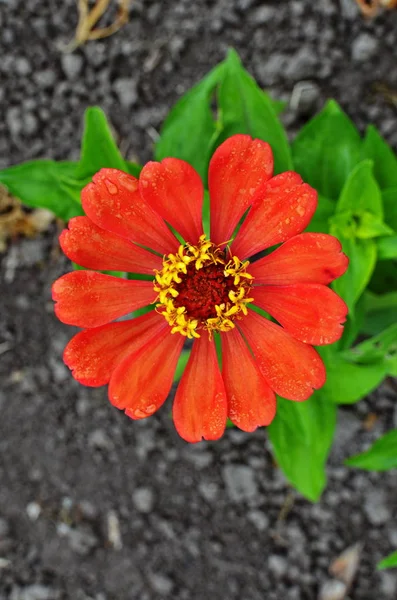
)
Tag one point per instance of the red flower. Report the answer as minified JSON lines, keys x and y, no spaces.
{"x":201,"y":287}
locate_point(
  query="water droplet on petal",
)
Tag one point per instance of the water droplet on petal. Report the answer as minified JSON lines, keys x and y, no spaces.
{"x":111,"y":187}
{"x":150,"y":409}
{"x":139,"y":414}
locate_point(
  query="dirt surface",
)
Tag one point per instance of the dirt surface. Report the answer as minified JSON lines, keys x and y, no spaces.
{"x":93,"y":506}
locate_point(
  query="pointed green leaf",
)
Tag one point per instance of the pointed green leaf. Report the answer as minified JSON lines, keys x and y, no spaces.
{"x":387,"y":248}
{"x":189,"y":129}
{"x":389,"y":198}
{"x":99,"y":148}
{"x":301,"y":435}
{"x":388,"y":562}
{"x":361,"y":193}
{"x":383,"y":157}
{"x":326,"y":149}
{"x":46,"y":184}
{"x":245,"y":108}
{"x":380,"y":312}
{"x":381,"y":456}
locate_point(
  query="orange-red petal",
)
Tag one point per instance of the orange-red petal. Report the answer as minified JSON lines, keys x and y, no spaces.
{"x":175,"y":191}
{"x":305,"y":258}
{"x":311,"y":312}
{"x":113,"y":202}
{"x":92,"y":247}
{"x":142,"y":381}
{"x":251,"y":402}
{"x":238,"y":171}
{"x":89,"y":299}
{"x":200,"y":405}
{"x":93,"y":354}
{"x":292,"y":369}
{"x":283,"y":210}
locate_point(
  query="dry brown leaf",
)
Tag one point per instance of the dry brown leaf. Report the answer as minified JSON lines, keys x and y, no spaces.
{"x":370,"y":8}
{"x":345,"y":566}
{"x":15,"y":221}
{"x":88,"y":18}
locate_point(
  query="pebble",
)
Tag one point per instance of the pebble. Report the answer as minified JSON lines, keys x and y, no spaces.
{"x":364,"y":47}
{"x":22,"y":66}
{"x":4,"y":528}
{"x":99,"y":439}
{"x":160,"y":583}
{"x":303,"y":64}
{"x":258,"y":519}
{"x":304,"y":97}
{"x":333,"y":590}
{"x":114,"y":533}
{"x":33,"y":510}
{"x":208,"y":490}
{"x":388,"y":584}
{"x":143,"y":499}
{"x":126,"y":91}
{"x":277,"y":565}
{"x":375,"y":507}
{"x":240,"y":482}
{"x":37,"y":592}
{"x":72,"y":65}
{"x":45,"y":79}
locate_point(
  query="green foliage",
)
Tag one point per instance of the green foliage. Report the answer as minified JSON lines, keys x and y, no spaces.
{"x":326,"y":149}
{"x":57,"y":185}
{"x":388,"y":562}
{"x":382,"y":455}
{"x":245,"y":108}
{"x":357,"y":184}
{"x":301,"y":436}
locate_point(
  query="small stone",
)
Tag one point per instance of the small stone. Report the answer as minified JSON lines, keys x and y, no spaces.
{"x":375,"y":507}
{"x":263,"y":14}
{"x":33,"y":510}
{"x":114,"y":534}
{"x":240,"y":482}
{"x":388,"y":585}
{"x":143,"y":499}
{"x":45,"y":79}
{"x":126,"y":90}
{"x":38,"y":592}
{"x":364,"y":47}
{"x":29,"y":124}
{"x":208,"y":490}
{"x":258,"y":519}
{"x":277,"y":565}
{"x":82,"y":540}
{"x":22,"y":66}
{"x":333,"y":590}
{"x":303,"y":64}
{"x":99,"y":440}
{"x":14,"y":121}
{"x":88,"y":510}
{"x":72,"y":65}
{"x":349,"y":9}
{"x":160,"y":583}
{"x":304,"y":97}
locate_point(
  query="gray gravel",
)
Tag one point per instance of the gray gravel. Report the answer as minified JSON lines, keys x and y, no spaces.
{"x":92,"y":506}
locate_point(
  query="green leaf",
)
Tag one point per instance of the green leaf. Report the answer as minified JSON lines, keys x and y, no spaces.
{"x":320,"y":220}
{"x":182,"y":362}
{"x":388,"y":562}
{"x":189,"y":129}
{"x":380,"y":312}
{"x":98,"y":146}
{"x":245,"y":108}
{"x":389,"y":198}
{"x":371,"y":226}
{"x":347,"y":382}
{"x":46,"y":184}
{"x":381,"y":456}
{"x":301,"y":435}
{"x":381,"y":348}
{"x":361,"y":193}
{"x":384,"y":277}
{"x":362,"y":256}
{"x":387,"y":248}
{"x":383,"y":157}
{"x":326,"y":149}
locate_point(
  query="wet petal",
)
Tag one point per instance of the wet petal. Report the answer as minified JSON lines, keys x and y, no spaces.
{"x":251,"y":402}
{"x":292,"y":369}
{"x":238,"y":171}
{"x":112,"y":201}
{"x":200,"y":405}
{"x":311,"y":312}
{"x":305,"y":258}
{"x":142,"y":381}
{"x":175,"y":191}
{"x":284,"y":209}
{"x":89,"y":299}
{"x":92,"y":247}
{"x":93,"y":354}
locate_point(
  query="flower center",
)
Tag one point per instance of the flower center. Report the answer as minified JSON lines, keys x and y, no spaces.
{"x":200,"y":288}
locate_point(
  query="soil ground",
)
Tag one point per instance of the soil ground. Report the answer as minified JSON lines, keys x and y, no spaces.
{"x":93,"y":506}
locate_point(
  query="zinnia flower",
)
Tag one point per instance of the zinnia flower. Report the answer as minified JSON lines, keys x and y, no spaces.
{"x":200,"y":287}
